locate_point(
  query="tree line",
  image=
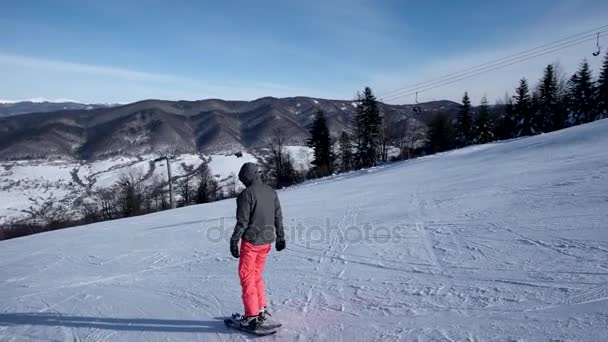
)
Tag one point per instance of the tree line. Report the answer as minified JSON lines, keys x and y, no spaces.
{"x":554,"y":103}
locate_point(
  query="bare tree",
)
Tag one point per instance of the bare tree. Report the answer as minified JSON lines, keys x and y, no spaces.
{"x":280,"y":162}
{"x":105,"y":202}
{"x":345,"y":152}
{"x":207,"y":188}
{"x":411,"y":137}
{"x":562,"y":79}
{"x":154,"y":194}
{"x":231,"y":186}
{"x":48,"y":212}
{"x":386,"y":136}
{"x":185,"y":185}
{"x":129,"y":188}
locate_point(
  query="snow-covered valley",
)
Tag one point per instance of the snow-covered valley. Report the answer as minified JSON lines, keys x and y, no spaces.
{"x":29,"y":183}
{"x":497,"y":242}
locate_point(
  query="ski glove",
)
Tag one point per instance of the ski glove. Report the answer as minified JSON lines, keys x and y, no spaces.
{"x":280,"y":245}
{"x":234,"y":248}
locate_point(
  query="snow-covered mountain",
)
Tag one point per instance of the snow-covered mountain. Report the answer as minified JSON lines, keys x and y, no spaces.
{"x":39,"y":100}
{"x":497,"y":242}
{"x":40,"y":105}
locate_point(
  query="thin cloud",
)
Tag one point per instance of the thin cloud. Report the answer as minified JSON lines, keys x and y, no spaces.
{"x":56,"y":65}
{"x":48,"y":78}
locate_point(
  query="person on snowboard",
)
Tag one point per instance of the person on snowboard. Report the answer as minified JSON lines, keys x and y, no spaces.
{"x":259,"y":222}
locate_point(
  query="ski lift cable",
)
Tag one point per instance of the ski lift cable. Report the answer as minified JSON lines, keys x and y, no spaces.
{"x":482,"y":72}
{"x":486,"y":71}
{"x":412,"y":89}
{"x":500,"y":59}
{"x":594,"y":30}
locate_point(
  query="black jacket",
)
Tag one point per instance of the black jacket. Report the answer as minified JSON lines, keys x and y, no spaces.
{"x":258,"y":211}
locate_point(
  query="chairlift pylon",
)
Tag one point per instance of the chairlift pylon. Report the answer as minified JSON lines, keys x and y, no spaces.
{"x":416,"y":107}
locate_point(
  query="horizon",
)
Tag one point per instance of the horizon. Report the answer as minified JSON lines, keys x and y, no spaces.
{"x":45,"y":100}
{"x":97,"y":52}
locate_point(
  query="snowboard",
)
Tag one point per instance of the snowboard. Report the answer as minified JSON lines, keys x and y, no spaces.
{"x":268,"y":328}
{"x":270,"y":324}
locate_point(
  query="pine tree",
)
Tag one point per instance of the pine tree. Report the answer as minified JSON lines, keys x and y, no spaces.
{"x":367,"y":122}
{"x":320,"y":142}
{"x":346,"y":153}
{"x":483,"y":130}
{"x":207,"y":188}
{"x":548,"y":101}
{"x":581,"y":102}
{"x":505,"y":127}
{"x":602,"y":91}
{"x":535,"y":118}
{"x":290,"y":175}
{"x":560,"y":117}
{"x":570,"y":100}
{"x":524,"y":120}
{"x":464,"y":125}
{"x":441,"y":134}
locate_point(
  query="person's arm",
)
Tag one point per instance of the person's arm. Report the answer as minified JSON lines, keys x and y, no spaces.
{"x":243,"y":208}
{"x":278,"y":224}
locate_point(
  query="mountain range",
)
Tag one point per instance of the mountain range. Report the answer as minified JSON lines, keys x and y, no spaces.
{"x":81,"y":131}
{"x":39,"y":105}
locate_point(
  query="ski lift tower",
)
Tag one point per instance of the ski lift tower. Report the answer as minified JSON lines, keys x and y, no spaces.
{"x":167,"y":158}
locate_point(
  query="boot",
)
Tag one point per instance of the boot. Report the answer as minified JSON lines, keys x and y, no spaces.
{"x":249,"y":323}
{"x":263,"y":315}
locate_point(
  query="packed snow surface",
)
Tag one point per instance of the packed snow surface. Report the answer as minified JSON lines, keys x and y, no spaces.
{"x":505,"y":242}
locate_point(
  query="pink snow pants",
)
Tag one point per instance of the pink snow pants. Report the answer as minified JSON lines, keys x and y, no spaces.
{"x":251,"y":266}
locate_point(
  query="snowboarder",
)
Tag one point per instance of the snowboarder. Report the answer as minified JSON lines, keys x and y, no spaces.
{"x":259,"y":222}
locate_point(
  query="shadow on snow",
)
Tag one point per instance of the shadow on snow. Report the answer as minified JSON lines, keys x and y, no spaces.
{"x":120,"y":324}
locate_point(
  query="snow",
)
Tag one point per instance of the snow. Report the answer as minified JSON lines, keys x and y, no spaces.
{"x":502,"y":243}
{"x":52,"y":171}
{"x":225,"y":165}
{"x":301,"y":155}
{"x":315,"y":101}
{"x":21,"y":181}
{"x":40,"y":100}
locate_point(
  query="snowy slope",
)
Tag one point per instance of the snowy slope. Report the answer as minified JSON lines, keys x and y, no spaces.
{"x":504,"y":242}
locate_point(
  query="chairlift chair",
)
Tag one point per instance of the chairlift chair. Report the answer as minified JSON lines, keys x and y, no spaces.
{"x":597,"y":53}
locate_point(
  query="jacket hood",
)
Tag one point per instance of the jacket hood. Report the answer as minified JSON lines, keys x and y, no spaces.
{"x":249,"y":173}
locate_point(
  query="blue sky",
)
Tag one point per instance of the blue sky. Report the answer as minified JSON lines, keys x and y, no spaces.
{"x":121,"y":51}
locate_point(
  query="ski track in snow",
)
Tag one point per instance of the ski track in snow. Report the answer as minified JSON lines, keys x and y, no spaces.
{"x":504,"y":242}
